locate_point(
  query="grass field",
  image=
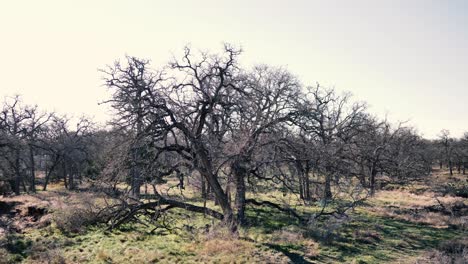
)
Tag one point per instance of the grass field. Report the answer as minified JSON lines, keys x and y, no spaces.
{"x":398,"y":225}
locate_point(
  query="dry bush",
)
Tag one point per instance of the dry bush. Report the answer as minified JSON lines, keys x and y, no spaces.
{"x":294,"y":236}
{"x":49,"y":256}
{"x":221,"y":242}
{"x":449,"y":252}
{"x":224,"y":247}
{"x":76,"y":217}
{"x":219,"y":245}
{"x":459,"y":189}
{"x":74,"y":220}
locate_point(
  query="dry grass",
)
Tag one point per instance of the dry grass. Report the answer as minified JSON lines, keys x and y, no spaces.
{"x":220,"y":246}
{"x":449,"y":252}
{"x":426,"y":207}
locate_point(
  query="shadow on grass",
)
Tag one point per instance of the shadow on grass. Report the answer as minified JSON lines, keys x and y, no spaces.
{"x":366,"y":238}
{"x":268,"y":219}
{"x":294,"y":257}
{"x":378,"y":239}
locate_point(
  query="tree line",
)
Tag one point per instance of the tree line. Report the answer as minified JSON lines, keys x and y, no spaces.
{"x":226,"y":131}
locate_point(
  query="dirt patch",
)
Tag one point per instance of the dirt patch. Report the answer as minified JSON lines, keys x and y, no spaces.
{"x":16,"y":216}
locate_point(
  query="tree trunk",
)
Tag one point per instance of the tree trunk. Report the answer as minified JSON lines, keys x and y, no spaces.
{"x":373,"y":173}
{"x":32,"y":188}
{"x":135,"y":177}
{"x":307,"y":182}
{"x":64,"y":172}
{"x":49,"y":172}
{"x":71,"y":180}
{"x":136,"y":172}
{"x":17,"y":173}
{"x":300,"y":174}
{"x":239,"y":168}
{"x":362,"y":177}
{"x":450,"y":167}
{"x":206,"y":170}
{"x":203,"y":187}
{"x":327,"y":188}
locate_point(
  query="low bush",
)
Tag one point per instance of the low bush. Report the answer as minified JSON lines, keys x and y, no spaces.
{"x":449,"y":252}
{"x":75,"y":219}
{"x":459,"y":189}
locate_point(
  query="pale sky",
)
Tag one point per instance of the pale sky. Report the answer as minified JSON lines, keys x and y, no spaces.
{"x":406,"y":59}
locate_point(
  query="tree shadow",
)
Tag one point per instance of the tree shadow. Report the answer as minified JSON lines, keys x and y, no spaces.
{"x":294,"y":257}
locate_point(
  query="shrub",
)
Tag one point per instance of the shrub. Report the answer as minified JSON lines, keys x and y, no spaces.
{"x":74,"y":219}
{"x":456,"y":189}
{"x":449,"y":252}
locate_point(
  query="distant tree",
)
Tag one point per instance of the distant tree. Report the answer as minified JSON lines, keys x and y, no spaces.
{"x":447,"y":146}
{"x":331,"y":123}
{"x":14,"y":119}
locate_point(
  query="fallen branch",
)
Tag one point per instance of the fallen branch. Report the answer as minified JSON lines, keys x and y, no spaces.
{"x":278,"y":207}
{"x":129,"y":211}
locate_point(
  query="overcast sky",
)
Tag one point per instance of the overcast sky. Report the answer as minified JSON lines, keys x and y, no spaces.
{"x":406,"y":59}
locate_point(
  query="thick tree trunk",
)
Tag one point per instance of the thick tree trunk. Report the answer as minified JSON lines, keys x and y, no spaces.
{"x":206,"y":170}
{"x":239,"y":168}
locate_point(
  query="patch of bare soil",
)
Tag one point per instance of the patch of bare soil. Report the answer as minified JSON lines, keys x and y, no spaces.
{"x":19,"y":213}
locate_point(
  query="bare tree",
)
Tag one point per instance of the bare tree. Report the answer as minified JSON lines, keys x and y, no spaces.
{"x":330,"y":124}
{"x":14,"y":118}
{"x":447,"y":145}
{"x":182,"y":111}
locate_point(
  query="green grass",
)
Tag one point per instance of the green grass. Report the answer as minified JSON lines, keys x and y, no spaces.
{"x":271,"y":236}
{"x":365,"y":238}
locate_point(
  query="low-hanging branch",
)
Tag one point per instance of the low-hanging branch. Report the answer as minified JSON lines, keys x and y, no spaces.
{"x":130,"y":210}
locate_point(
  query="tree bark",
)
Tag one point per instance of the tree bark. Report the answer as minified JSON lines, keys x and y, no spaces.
{"x":450,"y":167}
{"x":307,"y":182}
{"x":206,"y":170}
{"x":300,"y":172}
{"x":49,"y":172}
{"x":327,"y":188}
{"x":17,"y":172}
{"x":373,"y":173}
{"x":239,"y":168}
{"x":32,"y":188}
{"x":135,"y":177}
